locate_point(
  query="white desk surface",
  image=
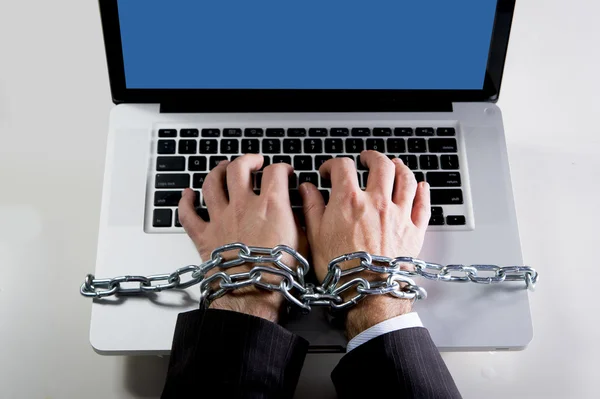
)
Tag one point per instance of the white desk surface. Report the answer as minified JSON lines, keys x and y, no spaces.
{"x":54,"y":104}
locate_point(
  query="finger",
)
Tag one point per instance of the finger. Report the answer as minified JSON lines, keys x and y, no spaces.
{"x":381,"y":173}
{"x":421,"y":211}
{"x":240,"y":181}
{"x":405,"y":186}
{"x":314,"y":208}
{"x":276,"y":180}
{"x":342,"y":173}
{"x":214,"y":190}
{"x":189,"y":219}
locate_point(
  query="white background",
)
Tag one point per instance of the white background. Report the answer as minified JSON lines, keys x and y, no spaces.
{"x":54,"y":105}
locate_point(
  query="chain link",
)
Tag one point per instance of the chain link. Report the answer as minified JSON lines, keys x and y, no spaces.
{"x":397,"y":277}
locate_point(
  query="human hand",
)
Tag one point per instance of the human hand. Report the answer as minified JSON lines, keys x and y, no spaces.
{"x":264,"y":220}
{"x":389,"y":218}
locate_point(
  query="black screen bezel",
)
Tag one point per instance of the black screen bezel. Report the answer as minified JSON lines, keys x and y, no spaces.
{"x":303,"y":99}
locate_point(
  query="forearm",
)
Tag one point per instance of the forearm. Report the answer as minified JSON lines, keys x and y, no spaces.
{"x":402,"y":364}
{"x":217,"y":352}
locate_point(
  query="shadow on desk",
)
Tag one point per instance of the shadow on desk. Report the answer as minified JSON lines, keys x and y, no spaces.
{"x":145,"y":376}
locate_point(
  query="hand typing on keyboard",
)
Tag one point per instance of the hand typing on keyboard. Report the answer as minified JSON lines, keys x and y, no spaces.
{"x":237,"y":214}
{"x":389,"y":218}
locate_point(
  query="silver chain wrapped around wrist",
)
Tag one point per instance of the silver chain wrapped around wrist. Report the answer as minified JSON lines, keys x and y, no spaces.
{"x":397,"y":278}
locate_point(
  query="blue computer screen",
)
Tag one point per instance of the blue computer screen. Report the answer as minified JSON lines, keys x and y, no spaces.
{"x":306,"y":44}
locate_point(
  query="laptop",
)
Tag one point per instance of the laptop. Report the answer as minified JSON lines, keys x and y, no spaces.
{"x":196,"y":82}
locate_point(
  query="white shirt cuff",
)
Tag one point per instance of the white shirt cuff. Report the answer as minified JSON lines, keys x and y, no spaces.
{"x":408,"y":320}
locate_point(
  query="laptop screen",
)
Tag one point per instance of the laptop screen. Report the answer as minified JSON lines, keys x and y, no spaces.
{"x":306,"y":44}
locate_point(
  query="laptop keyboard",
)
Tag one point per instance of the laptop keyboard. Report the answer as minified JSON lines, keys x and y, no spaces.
{"x":184,"y":157}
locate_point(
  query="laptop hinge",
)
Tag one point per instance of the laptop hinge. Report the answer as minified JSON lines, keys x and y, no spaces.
{"x":231,"y":106}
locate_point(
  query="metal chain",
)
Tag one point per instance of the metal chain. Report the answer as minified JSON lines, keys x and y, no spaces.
{"x":397,"y":278}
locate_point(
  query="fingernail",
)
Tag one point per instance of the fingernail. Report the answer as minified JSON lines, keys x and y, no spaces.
{"x":185,"y":192}
{"x":223,"y":161}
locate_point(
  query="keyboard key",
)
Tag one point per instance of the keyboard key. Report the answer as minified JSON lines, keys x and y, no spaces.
{"x":428,"y":162}
{"x":437,"y":210}
{"x":170,"y":164}
{"x":282,"y":159}
{"x":359,"y":180}
{"x":361,"y":132}
{"x":303,"y":162}
{"x":209,"y":146}
{"x":446,"y":197}
{"x":234,"y":157}
{"x":410,"y":161}
{"x":359,"y":164}
{"x":295,"y":198}
{"x":334,"y":146}
{"x":216,"y":160}
{"x":177,"y":222}
{"x":313,"y":146}
{"x":355,"y":145}
{"x":250,"y":146}
{"x":317,"y":132}
{"x":325,"y":183}
{"x":188,"y":133}
{"x":436,"y":220}
{"x":162,"y":218}
{"x":197,"y":163}
{"x":203,"y":213}
{"x":271,"y":146}
{"x":292,"y":146}
{"x":449,"y":161}
{"x":211,"y":132}
{"x":339,"y":132}
{"x":230,"y":146}
{"x":320,"y":160}
{"x":365,"y":179}
{"x":419,"y":177}
{"x":325,"y":194}
{"x":456,"y":220}
{"x":382,"y":132}
{"x":446,"y":131}
{"x":253,"y":132}
{"x":443,"y":179}
{"x":391,"y":156}
{"x":376,"y":145}
{"x":167,"y":198}
{"x":198,"y":180}
{"x":167,"y":132}
{"x":172,"y":180}
{"x":275,"y":132}
{"x":296,"y":132}
{"x":258,"y":179}
{"x":293,"y":181}
{"x":165,"y":147}
{"x":425,"y":131}
{"x":417,"y":145}
{"x":309,"y":178}
{"x":232,"y":132}
{"x":266,"y":162}
{"x":187,"y":146}
{"x":442,"y":145}
{"x":396,"y":145}
{"x":403,"y":131}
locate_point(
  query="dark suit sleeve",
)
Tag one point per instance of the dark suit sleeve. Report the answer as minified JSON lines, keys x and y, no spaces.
{"x":402,"y":364}
{"x":227,"y":354}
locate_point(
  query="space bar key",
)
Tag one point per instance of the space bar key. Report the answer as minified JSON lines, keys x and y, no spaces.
{"x":446,"y":197}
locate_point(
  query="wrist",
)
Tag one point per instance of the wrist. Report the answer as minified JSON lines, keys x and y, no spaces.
{"x":265,"y":305}
{"x":373,"y":310}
